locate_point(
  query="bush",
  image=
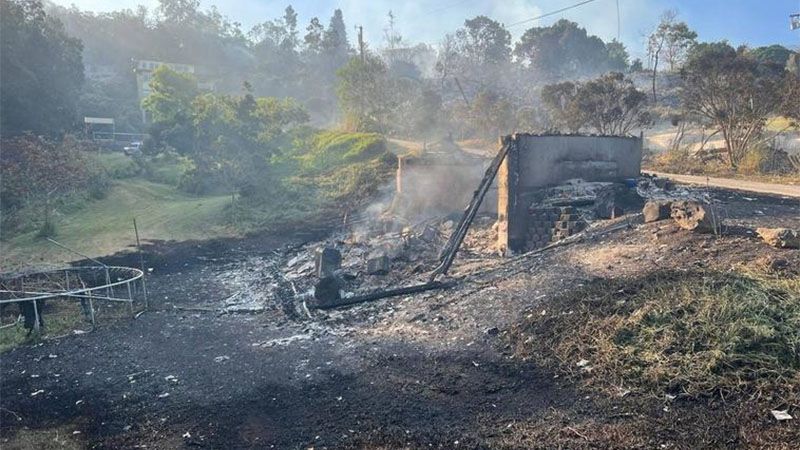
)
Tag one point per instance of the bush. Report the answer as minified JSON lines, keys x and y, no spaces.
{"x":39,"y":175}
{"x":118,"y":165}
{"x":320,"y":176}
{"x":764,"y":159}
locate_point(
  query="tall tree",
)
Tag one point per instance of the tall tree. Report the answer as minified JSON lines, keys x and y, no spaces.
{"x":335,"y":37}
{"x":609,"y":105}
{"x":41,"y":68}
{"x":179,"y":11}
{"x":363,"y":93}
{"x":565,"y":50}
{"x":484,"y":41}
{"x":618,"y":57}
{"x":670,"y":40}
{"x":733,"y":92}
{"x":313,"y":37}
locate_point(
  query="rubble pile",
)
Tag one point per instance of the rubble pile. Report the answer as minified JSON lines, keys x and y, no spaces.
{"x":561,"y":211}
{"x":356,"y":263}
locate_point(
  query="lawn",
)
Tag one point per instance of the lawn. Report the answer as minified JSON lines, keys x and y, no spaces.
{"x":105,"y":226}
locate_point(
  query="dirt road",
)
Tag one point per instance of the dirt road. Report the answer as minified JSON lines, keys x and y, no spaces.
{"x":786,"y":190}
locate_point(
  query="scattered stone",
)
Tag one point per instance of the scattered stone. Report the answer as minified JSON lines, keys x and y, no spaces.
{"x":780,"y":237}
{"x":655,"y":210}
{"x":692,"y":216}
{"x":770,"y":263}
{"x":428,"y":234}
{"x":663,"y":183}
{"x":494,"y":331}
{"x":378,"y":265}
{"x":327,"y":261}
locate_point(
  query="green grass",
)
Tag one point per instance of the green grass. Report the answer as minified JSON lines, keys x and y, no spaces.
{"x":693,"y":334}
{"x":332,"y":149}
{"x":118,"y":165}
{"x":168,"y":168}
{"x":320,"y":178}
{"x":61,"y":317}
{"x":322,"y":175}
{"x":105,"y":226}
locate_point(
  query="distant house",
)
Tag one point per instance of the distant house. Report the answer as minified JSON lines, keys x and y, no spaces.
{"x":144,"y":72}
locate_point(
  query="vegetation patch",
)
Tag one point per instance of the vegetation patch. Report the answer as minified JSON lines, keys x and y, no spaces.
{"x":690,"y":334}
{"x":322,"y":173}
{"x":118,"y":165}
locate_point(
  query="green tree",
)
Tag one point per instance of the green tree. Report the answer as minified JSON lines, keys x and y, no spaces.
{"x":618,"y":58}
{"x":733,"y":92}
{"x":171,"y":95}
{"x":334,"y":39}
{"x":363,"y":93}
{"x":565,"y":50}
{"x":773,"y":54}
{"x":559,"y":102}
{"x":484,"y":41}
{"x":670,"y":40}
{"x":41,"y":68}
{"x":609,"y":105}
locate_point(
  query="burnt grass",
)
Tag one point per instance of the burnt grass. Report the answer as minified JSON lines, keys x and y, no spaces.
{"x":325,"y":393}
{"x":433,"y":371}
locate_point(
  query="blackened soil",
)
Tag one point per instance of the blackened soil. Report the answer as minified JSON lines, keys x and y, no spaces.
{"x":174,"y":378}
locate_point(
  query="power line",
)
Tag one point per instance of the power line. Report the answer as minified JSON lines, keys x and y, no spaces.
{"x":552,"y":13}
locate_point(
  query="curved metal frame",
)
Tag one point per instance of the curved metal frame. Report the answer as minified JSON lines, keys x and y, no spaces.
{"x":82,"y":293}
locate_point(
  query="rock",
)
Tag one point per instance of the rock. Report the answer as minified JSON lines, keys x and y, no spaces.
{"x":692,"y":216}
{"x":770,"y":263}
{"x":655,"y":210}
{"x":327,"y":261}
{"x":428,"y":234}
{"x":327,"y":292}
{"x":378,"y":265}
{"x":780,"y":237}
{"x":663,"y":183}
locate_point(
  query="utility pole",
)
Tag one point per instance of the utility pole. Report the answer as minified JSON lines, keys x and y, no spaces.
{"x":361,"y":42}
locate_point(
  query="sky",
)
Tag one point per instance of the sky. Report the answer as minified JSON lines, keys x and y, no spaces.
{"x":755,"y":22}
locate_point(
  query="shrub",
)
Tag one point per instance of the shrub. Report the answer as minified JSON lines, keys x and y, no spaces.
{"x":39,"y":175}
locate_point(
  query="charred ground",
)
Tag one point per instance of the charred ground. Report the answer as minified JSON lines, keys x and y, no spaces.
{"x":433,"y":370}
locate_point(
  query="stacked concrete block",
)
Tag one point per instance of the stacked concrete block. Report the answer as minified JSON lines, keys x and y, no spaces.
{"x":568,"y":223}
{"x":541,"y":226}
{"x":550,"y":224}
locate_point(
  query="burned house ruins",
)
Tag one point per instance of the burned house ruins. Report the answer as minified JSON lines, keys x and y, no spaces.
{"x":545,"y":180}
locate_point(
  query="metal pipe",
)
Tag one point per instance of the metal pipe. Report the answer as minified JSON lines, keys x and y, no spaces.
{"x":391,"y":293}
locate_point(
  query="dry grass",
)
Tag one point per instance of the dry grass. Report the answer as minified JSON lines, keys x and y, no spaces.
{"x":689,"y":334}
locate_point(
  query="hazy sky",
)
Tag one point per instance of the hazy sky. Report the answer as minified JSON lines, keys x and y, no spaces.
{"x":756,"y":22}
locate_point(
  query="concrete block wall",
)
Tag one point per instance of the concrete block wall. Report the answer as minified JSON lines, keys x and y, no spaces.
{"x":539,"y":161}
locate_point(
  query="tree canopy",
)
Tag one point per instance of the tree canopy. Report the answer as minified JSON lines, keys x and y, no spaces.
{"x":609,"y":105}
{"x":732,"y":91}
{"x":565,"y":50}
{"x":41,"y":68}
